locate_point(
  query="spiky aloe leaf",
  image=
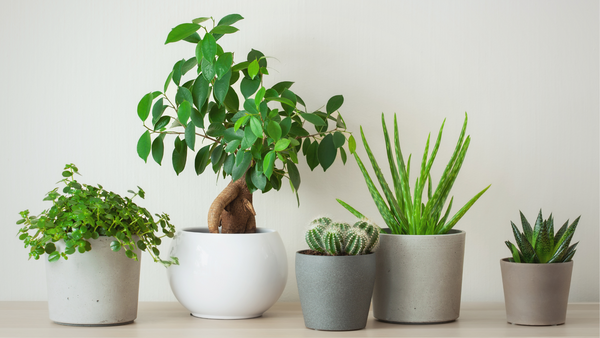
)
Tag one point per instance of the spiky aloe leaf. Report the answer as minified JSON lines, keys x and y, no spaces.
{"x":404,"y":172}
{"x":570,"y":253}
{"x":526,"y":227}
{"x":529,"y":255}
{"x":462,"y":212}
{"x":562,"y":253}
{"x":515,"y":252}
{"x":560,"y":233}
{"x":568,"y":234}
{"x":536,"y":229}
{"x":442,"y":221}
{"x":351,"y":209}
{"x":544,"y":246}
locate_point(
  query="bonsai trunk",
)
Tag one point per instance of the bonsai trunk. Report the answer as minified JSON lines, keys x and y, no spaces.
{"x":232,"y":210}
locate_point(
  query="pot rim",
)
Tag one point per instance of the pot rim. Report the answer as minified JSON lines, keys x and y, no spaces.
{"x":199,"y":231}
{"x":451,"y":232}
{"x":506,"y":261}
{"x":300,"y":253}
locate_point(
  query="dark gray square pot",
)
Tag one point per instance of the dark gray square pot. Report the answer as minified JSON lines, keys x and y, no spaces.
{"x":335,"y":291}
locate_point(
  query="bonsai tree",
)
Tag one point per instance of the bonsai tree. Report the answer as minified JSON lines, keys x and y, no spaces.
{"x":83,"y":212}
{"x":255,"y":138}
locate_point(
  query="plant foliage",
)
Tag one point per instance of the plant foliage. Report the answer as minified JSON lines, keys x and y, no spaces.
{"x":541,"y":244}
{"x":257,"y":135}
{"x":337,"y":239}
{"x":84,"y":212}
{"x":406,"y":214}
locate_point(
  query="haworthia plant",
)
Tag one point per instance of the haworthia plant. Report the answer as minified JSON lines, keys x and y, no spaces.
{"x":337,"y":239}
{"x":409,"y":214}
{"x":541,"y":244}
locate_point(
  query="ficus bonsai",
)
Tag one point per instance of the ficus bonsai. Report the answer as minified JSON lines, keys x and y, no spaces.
{"x":255,"y":138}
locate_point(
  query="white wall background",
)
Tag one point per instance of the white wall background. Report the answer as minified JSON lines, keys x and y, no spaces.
{"x":72,"y":73}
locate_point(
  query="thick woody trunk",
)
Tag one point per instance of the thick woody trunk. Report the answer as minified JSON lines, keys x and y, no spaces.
{"x":232,"y":210}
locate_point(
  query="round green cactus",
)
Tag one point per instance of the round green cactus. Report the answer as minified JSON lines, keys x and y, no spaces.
{"x":337,"y":239}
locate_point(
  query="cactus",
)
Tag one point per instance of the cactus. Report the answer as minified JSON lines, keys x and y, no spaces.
{"x":337,"y":239}
{"x":540,"y":244}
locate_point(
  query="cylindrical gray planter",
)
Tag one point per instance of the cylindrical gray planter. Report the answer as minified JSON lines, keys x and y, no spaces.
{"x":96,"y":288}
{"x":419,"y":278}
{"x":335,"y":291}
{"x":536,"y":294}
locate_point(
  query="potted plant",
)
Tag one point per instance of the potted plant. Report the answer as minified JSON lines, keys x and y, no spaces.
{"x":420,"y":259}
{"x":96,"y":287}
{"x":255,"y":137}
{"x":537,"y":276}
{"x":336,"y":275}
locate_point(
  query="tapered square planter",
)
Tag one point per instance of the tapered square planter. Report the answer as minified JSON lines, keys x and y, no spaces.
{"x":536,"y":294}
{"x":419,"y":278}
{"x":335,"y":291}
{"x":96,"y":288}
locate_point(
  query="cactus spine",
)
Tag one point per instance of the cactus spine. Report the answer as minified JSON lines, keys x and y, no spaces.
{"x":337,"y":239}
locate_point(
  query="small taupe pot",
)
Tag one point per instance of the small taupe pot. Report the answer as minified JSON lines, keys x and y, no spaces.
{"x":96,"y":288}
{"x":419,"y":278}
{"x":335,"y":291}
{"x":536,"y":294}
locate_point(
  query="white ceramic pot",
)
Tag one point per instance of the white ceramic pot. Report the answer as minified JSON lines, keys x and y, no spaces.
{"x":96,"y":288}
{"x":228,"y":276}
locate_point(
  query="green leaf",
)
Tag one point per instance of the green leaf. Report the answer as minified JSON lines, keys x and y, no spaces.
{"x":249,"y":138}
{"x":294,"y":174}
{"x":249,"y":86}
{"x":200,"y":20}
{"x":143,"y":108}
{"x":143,"y":146}
{"x":115,"y":246}
{"x":281,"y":86}
{"x":53,"y":257}
{"x":282,"y":144}
{"x":215,"y":130}
{"x":351,"y":209}
{"x":327,"y":152}
{"x":232,"y":102}
{"x":197,"y":118}
{"x":188,"y":65}
{"x":158,"y":149}
{"x":274,"y":130}
{"x":224,"y":64}
{"x":183,"y":112}
{"x":269,"y":164}
{"x":253,"y":69}
{"x":216,"y":154}
{"x":334,"y":104}
{"x":233,"y":146}
{"x":351,"y":144}
{"x":229,"y":20}
{"x":208,"y":70}
{"x":177,"y":71}
{"x":50,"y":248}
{"x":240,"y":169}
{"x":259,"y":96}
{"x":202,"y":160}
{"x":312,"y":158}
{"x":209,"y":48}
{"x":256,"y":127}
{"x":314,"y":119}
{"x":157,"y":110}
{"x":183,"y":94}
{"x":179,"y":155}
{"x":190,"y":135}
{"x":343,"y":155}
{"x":221,"y":87}
{"x":286,"y":125}
{"x":338,"y":139}
{"x":162,"y":122}
{"x":258,"y":179}
{"x":182,"y":31}
{"x":223,"y":30}
{"x":200,"y":91}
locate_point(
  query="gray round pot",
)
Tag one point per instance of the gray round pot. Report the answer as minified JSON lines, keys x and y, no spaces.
{"x":96,"y":288}
{"x":536,"y":294}
{"x":335,"y":291}
{"x":419,"y":278}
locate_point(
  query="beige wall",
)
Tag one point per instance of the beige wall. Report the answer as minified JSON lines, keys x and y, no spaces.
{"x":72,"y":73}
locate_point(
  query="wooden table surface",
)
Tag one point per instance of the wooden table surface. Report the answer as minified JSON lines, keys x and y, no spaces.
{"x":171,"y":320}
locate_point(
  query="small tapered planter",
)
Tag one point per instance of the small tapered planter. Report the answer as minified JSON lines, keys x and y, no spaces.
{"x":419,"y":278}
{"x":335,"y":291}
{"x":96,"y":288}
{"x":536,"y":294}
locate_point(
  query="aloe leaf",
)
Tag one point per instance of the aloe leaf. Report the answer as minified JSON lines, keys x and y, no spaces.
{"x":379,"y":202}
{"x":442,"y":221}
{"x":544,"y":247}
{"x":393,"y":168}
{"x":562,"y":253}
{"x":570,"y":254}
{"x":568,"y":234}
{"x":559,"y":234}
{"x":529,"y":255}
{"x":353,"y":211}
{"x":462,"y":211}
{"x":526,"y":227}
{"x":515,"y":252}
{"x":536,"y":229}
{"x":404,"y":171}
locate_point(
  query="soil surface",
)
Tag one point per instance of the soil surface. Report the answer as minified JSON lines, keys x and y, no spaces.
{"x":316,"y":253}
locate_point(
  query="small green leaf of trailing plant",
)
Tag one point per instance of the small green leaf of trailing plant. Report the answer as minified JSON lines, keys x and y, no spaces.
{"x":541,"y":245}
{"x":86,"y":212}
{"x":407,"y":213}
{"x":270,"y":124}
{"x":337,"y":239}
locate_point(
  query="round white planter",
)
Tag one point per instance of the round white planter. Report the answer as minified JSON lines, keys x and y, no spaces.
{"x":96,"y":288}
{"x":419,"y":278}
{"x":228,"y":276}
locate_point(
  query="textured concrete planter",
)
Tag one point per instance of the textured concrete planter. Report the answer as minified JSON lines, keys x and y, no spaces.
{"x":335,"y":291}
{"x":536,"y":294}
{"x":97,"y":288}
{"x":419,"y":278}
{"x":228,"y":276}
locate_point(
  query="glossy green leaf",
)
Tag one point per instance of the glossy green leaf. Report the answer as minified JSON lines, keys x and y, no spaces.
{"x":351,"y":144}
{"x":258,"y":179}
{"x":312,"y":158}
{"x":343,"y":155}
{"x":239,"y":169}
{"x":314,"y":119}
{"x":143,"y":108}
{"x":221,"y":87}
{"x":183,"y":94}
{"x":224,"y":64}
{"x":250,"y":107}
{"x":249,"y":138}
{"x":229,"y":20}
{"x":286,"y":125}
{"x":274,"y":130}
{"x":294,"y":174}
{"x":200,"y":20}
{"x":143,"y":146}
{"x":338,"y":139}
{"x":158,"y":109}
{"x":215,"y":130}
{"x":200,"y":91}
{"x":202,"y":160}
{"x":281,"y":86}
{"x":115,"y":245}
{"x":334,"y":104}
{"x":256,"y":127}
{"x":232,"y":134}
{"x":208,"y":70}
{"x":158,"y":150}
{"x":288,"y":94}
{"x":282,"y":144}
{"x":253,"y":69}
{"x":190,"y":135}
{"x":327,"y":152}
{"x":183,"y":112}
{"x":182,"y":31}
{"x":177,"y":71}
{"x":162,"y":122}
{"x":249,"y":86}
{"x":53,"y":257}
{"x":269,"y":164}
{"x":188,"y":65}
{"x":223,"y":30}
{"x":232,"y":146}
{"x":179,"y":155}
{"x":232,"y":102}
{"x":199,"y":56}
{"x":216,"y":154}
{"x":197,"y":118}
{"x":241,"y":122}
{"x":209,"y":48}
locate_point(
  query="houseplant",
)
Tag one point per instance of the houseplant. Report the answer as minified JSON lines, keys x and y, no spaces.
{"x":336,"y":276}
{"x":537,"y":276}
{"x":94,"y":287}
{"x":256,"y":139}
{"x":420,"y":251}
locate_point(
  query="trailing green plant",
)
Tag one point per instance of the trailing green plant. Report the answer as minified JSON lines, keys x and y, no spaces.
{"x":541,"y":244}
{"x":84,"y":212}
{"x":406,"y":214}
{"x":337,"y":239}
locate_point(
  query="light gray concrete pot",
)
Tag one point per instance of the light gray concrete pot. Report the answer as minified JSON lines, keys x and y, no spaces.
{"x":419,"y":278}
{"x":335,"y":291}
{"x":96,"y":288}
{"x":536,"y":294}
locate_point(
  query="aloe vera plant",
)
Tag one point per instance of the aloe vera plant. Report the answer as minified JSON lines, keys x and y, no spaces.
{"x":405,"y":213}
{"x":336,"y":239}
{"x":541,"y":244}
